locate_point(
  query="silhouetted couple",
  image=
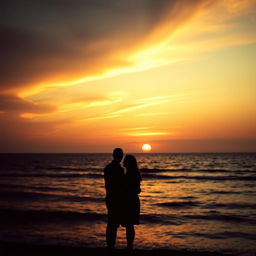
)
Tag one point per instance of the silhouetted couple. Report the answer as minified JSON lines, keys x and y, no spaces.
{"x":122,"y":200}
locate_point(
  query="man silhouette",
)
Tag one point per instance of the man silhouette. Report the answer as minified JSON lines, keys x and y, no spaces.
{"x":114,"y":184}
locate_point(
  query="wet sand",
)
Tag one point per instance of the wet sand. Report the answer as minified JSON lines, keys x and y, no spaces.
{"x":8,"y":248}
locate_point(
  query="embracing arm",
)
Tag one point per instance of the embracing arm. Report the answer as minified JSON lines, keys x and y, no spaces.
{"x":107,"y":180}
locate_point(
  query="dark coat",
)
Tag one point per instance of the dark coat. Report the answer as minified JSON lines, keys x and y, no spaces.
{"x":114,"y":185}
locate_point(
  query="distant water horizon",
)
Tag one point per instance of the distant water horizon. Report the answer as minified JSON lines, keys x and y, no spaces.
{"x":135,"y":152}
{"x":194,"y":201}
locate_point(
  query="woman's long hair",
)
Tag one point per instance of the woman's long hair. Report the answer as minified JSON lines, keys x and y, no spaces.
{"x":130,"y":163}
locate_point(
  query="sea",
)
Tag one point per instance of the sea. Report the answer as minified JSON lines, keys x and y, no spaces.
{"x":197,"y":202}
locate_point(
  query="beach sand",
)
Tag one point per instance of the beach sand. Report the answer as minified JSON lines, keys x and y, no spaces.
{"x":8,"y":248}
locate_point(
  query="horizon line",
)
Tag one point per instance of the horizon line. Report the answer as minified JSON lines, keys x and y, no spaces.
{"x":186,"y":152}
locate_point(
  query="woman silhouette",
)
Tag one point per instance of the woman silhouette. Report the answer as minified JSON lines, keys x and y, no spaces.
{"x":132,"y":202}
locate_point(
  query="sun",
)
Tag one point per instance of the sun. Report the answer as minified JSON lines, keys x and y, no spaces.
{"x":146,"y":147}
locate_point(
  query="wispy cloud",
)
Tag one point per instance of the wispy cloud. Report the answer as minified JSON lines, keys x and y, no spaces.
{"x":87,"y":102}
{"x":143,"y":103}
{"x":137,"y":128}
{"x":153,"y":114}
{"x":97,"y":118}
{"x":144,"y":131}
{"x":71,"y":109}
{"x":133,"y":105}
{"x":10,"y":103}
{"x":221,"y":25}
{"x":79,"y":47}
{"x":83,"y":43}
{"x":149,"y":133}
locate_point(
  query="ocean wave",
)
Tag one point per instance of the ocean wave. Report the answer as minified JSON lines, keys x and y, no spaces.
{"x":241,"y":205}
{"x":14,"y":217}
{"x":144,"y":175}
{"x":174,"y":219}
{"x":243,"y":235}
{"x":48,"y":216}
{"x":187,"y":197}
{"x":217,"y":235}
{"x":222,"y":217}
{"x":221,"y":192}
{"x":74,"y":169}
{"x":179,"y":204}
{"x":53,"y":175}
{"x":195,"y":169}
{"x":20,"y":216}
{"x":190,"y":204}
{"x":28,"y":195}
{"x":202,"y":178}
{"x":156,"y":170}
{"x":40,"y":188}
{"x":21,"y":195}
{"x":147,"y":173}
{"x":156,"y":219}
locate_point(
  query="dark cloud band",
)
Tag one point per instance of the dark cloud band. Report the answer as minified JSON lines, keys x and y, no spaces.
{"x":56,"y":41}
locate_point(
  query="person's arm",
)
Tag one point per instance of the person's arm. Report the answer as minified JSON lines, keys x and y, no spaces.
{"x":107,"y":180}
{"x":138,"y":187}
{"x":134,"y":185}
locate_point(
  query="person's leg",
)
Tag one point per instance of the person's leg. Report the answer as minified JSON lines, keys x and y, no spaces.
{"x":130,"y":234}
{"x":111,"y":235}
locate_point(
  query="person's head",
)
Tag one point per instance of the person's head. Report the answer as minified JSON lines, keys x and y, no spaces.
{"x":118,"y":154}
{"x":130,"y":162}
{"x":131,"y":165}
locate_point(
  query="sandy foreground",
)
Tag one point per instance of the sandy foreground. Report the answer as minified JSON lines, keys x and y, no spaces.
{"x":9,"y":248}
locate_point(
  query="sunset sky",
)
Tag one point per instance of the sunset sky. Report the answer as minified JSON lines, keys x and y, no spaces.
{"x":91,"y":75}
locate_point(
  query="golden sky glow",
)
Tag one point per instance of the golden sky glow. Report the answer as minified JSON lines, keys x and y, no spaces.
{"x":182,"y":82}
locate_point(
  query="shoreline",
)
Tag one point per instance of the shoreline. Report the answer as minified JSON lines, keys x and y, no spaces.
{"x":15,"y":248}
